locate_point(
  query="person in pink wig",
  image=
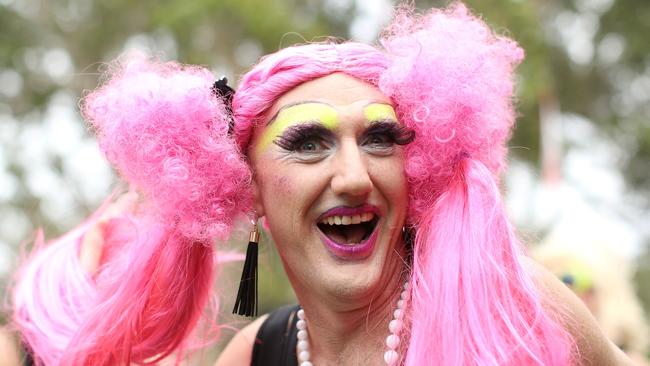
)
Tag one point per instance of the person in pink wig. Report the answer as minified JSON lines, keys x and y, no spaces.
{"x":376,"y":172}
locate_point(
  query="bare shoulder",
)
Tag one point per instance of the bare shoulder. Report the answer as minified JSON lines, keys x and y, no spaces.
{"x":8,"y":348}
{"x":594,"y":349}
{"x":240,"y":349}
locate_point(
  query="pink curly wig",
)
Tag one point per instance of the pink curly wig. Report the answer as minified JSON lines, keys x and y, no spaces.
{"x":450,"y":78}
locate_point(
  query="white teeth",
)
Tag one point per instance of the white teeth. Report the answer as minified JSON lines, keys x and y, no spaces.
{"x":366,"y":216}
{"x":347,"y":220}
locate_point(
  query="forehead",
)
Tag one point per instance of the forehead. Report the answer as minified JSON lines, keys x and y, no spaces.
{"x":338,"y":89}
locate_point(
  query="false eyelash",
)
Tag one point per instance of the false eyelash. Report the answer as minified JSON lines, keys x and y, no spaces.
{"x":296,"y":135}
{"x":399,"y":134}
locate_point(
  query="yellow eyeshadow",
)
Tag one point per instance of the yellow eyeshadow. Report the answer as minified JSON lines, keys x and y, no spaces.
{"x":300,"y":113}
{"x":378,"y":112}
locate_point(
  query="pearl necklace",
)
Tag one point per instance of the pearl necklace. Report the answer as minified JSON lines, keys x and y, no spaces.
{"x":392,"y":341}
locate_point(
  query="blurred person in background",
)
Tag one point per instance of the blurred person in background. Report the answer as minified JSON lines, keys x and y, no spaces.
{"x":375,"y":170}
{"x":589,"y":264}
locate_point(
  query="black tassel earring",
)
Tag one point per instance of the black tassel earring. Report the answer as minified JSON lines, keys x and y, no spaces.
{"x":246,"y":302}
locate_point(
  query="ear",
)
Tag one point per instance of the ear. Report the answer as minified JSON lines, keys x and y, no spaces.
{"x":259,"y":207}
{"x":257,"y":199}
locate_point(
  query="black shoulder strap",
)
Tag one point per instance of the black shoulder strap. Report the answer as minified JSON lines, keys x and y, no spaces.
{"x":28,"y":360}
{"x":275,"y":344}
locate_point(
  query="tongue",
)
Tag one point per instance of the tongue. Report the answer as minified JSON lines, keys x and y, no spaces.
{"x":354,"y":233}
{"x":345,"y":234}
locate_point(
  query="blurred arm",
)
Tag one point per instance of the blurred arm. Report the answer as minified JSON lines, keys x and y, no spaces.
{"x":8,"y":350}
{"x":240,"y":349}
{"x":91,"y":248}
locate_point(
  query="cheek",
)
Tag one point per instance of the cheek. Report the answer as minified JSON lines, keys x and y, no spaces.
{"x":280,"y":195}
{"x":288,"y":193}
{"x":279,"y":187}
{"x":390,"y":177}
{"x":283,"y":185}
{"x":399,"y":191}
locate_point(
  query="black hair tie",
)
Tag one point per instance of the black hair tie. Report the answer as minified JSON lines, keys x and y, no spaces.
{"x":221,"y":89}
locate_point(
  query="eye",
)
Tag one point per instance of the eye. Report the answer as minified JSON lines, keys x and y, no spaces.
{"x":306,"y":142}
{"x":379,"y":139}
{"x":309,"y":145}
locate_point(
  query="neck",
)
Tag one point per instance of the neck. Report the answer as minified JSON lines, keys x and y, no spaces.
{"x":348,"y":332}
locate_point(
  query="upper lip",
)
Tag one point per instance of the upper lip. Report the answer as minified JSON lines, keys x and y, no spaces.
{"x":349,"y":211}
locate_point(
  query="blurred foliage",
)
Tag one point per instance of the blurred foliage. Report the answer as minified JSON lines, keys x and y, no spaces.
{"x":592,"y":88}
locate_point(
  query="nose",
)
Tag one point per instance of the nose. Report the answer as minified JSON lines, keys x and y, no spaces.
{"x":351,"y":176}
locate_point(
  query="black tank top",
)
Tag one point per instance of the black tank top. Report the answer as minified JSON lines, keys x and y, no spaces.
{"x":275,"y":343}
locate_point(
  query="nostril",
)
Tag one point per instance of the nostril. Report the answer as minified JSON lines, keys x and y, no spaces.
{"x":352,"y":184}
{"x":351,"y":171}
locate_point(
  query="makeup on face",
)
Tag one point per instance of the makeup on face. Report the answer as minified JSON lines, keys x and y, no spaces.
{"x":299,"y":121}
{"x":295,"y":114}
{"x":375,"y":112}
{"x":349,"y":233}
{"x":331,"y":234}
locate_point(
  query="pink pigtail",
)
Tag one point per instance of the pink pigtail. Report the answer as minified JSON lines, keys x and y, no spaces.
{"x":47,"y":308}
{"x":165,"y":131}
{"x":451,"y":79}
{"x":473,"y":303}
{"x":150,"y":295}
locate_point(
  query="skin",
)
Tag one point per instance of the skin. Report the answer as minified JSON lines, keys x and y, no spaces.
{"x":293,"y":190}
{"x":8,"y":349}
{"x":92,"y":245}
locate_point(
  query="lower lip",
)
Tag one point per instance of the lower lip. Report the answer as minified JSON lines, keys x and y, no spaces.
{"x":353,"y":251}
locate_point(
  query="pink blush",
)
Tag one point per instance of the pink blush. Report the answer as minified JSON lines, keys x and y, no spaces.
{"x":283,"y":184}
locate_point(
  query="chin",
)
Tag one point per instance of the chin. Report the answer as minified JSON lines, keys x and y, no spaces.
{"x":355,"y":278}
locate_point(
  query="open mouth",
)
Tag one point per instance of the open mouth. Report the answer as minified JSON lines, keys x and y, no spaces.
{"x":349,"y":230}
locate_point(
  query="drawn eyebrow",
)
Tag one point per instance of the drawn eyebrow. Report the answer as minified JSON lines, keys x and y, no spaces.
{"x":383,"y":121}
{"x":387,"y":109}
{"x":275,"y":116}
